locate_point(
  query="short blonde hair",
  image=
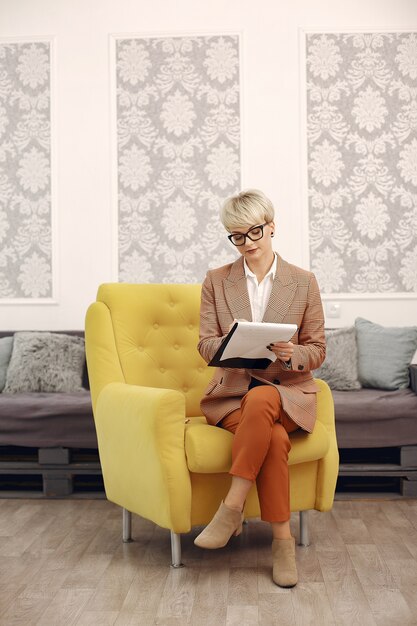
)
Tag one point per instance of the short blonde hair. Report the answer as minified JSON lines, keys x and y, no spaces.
{"x":248,"y":207}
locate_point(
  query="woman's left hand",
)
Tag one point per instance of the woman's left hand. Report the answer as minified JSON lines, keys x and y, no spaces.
{"x":283,"y":350}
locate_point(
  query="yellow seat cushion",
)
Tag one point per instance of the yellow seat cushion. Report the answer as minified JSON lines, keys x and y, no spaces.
{"x":209,"y":448}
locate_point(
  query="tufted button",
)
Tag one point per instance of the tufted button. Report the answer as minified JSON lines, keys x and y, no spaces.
{"x":176,"y":347}
{"x":200,"y":369}
{"x":171,"y":304}
{"x":162,"y":370}
{"x":191,"y":326}
{"x":301,"y":367}
{"x":277,"y":381}
{"x":156,"y":325}
{"x":185,"y":389}
{"x":140,"y":348}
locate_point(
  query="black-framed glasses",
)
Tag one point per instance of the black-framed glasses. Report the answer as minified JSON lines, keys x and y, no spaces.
{"x":254,"y":233}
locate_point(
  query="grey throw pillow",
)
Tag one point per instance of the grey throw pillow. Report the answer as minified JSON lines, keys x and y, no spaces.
{"x":340,"y":367}
{"x":6,"y":346}
{"x":384,"y":354}
{"x":44,"y":361}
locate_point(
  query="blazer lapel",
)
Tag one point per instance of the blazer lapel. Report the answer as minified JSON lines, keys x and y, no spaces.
{"x":236,"y":292}
{"x":282,"y":293}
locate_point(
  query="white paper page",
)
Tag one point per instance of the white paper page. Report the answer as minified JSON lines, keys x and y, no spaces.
{"x":251,"y":338}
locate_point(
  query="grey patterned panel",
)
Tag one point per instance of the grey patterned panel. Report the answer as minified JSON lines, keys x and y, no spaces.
{"x":25,"y":155}
{"x":178,"y":135}
{"x":362,"y":161}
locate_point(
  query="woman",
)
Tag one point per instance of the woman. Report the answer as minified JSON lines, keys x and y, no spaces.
{"x":260,"y":407}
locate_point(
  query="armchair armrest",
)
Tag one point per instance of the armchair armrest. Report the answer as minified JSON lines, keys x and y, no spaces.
{"x":140,"y":433}
{"x":329,"y":465}
{"x":325,"y":406}
{"x":413,"y":377}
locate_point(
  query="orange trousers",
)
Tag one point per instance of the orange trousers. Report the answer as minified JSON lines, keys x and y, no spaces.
{"x":260,"y":449}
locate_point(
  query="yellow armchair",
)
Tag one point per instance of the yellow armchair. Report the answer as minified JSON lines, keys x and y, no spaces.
{"x":159,"y":457}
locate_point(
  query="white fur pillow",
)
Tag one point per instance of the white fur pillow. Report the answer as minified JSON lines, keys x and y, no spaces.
{"x":340,"y":368}
{"x":44,"y":361}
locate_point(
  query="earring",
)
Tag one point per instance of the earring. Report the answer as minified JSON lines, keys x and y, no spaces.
{"x":272,"y":234}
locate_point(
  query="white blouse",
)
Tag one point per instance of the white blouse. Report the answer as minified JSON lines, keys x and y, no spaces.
{"x":259,"y":292}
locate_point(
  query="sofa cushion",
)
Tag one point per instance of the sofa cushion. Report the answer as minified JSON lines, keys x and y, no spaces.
{"x":44,"y":361}
{"x":47,"y":419}
{"x":6,"y":346}
{"x":375,"y":418}
{"x":384,"y":354}
{"x":209,"y":448}
{"x":340,"y":368}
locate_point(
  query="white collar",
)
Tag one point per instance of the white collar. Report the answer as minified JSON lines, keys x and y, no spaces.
{"x":271,"y":272}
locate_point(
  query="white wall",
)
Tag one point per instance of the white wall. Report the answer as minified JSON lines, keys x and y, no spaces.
{"x":272,"y":137}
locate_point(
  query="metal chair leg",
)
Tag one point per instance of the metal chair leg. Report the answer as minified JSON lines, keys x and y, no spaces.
{"x":127,"y":526}
{"x":304,"y":535}
{"x":176,"y":550}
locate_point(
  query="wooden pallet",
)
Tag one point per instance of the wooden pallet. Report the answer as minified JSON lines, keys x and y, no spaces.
{"x":65,"y":472}
{"x":50,"y":472}
{"x":398,"y":464}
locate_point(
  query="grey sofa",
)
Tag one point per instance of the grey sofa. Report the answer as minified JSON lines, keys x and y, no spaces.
{"x":58,"y":429}
{"x":375,"y":418}
{"x":48,"y":442}
{"x":377,"y":439}
{"x":48,"y":419}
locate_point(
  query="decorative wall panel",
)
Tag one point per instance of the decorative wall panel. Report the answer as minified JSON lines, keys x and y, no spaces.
{"x":25,"y":163}
{"x":178,"y":150}
{"x":362,"y":161}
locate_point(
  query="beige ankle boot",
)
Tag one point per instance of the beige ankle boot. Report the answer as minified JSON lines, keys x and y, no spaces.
{"x":284,"y":568}
{"x":225,"y":523}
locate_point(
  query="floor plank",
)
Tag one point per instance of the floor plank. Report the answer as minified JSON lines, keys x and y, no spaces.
{"x":370,"y":568}
{"x":65,"y":607}
{"x":311,"y":604}
{"x":178,"y":595}
{"x":242,"y":615}
{"x":276,"y":609}
{"x":389,"y":607}
{"x":210,"y":600}
{"x":142,"y":600}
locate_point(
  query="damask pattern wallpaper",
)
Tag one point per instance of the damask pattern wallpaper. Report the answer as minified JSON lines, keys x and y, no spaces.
{"x":25,"y":162}
{"x":362,"y":161}
{"x":178,"y":149}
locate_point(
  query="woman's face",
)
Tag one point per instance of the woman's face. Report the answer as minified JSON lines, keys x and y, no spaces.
{"x":255,"y":249}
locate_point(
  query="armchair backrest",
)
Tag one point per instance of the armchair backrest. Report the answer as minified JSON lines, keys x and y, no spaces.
{"x":147,"y":335}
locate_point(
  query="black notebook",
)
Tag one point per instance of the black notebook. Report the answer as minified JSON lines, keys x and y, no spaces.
{"x":245,"y":344}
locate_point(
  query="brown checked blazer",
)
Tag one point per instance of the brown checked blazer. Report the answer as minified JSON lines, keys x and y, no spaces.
{"x":294,"y":299}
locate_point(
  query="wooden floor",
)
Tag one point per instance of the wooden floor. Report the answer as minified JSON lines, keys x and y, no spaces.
{"x":63,"y":562}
